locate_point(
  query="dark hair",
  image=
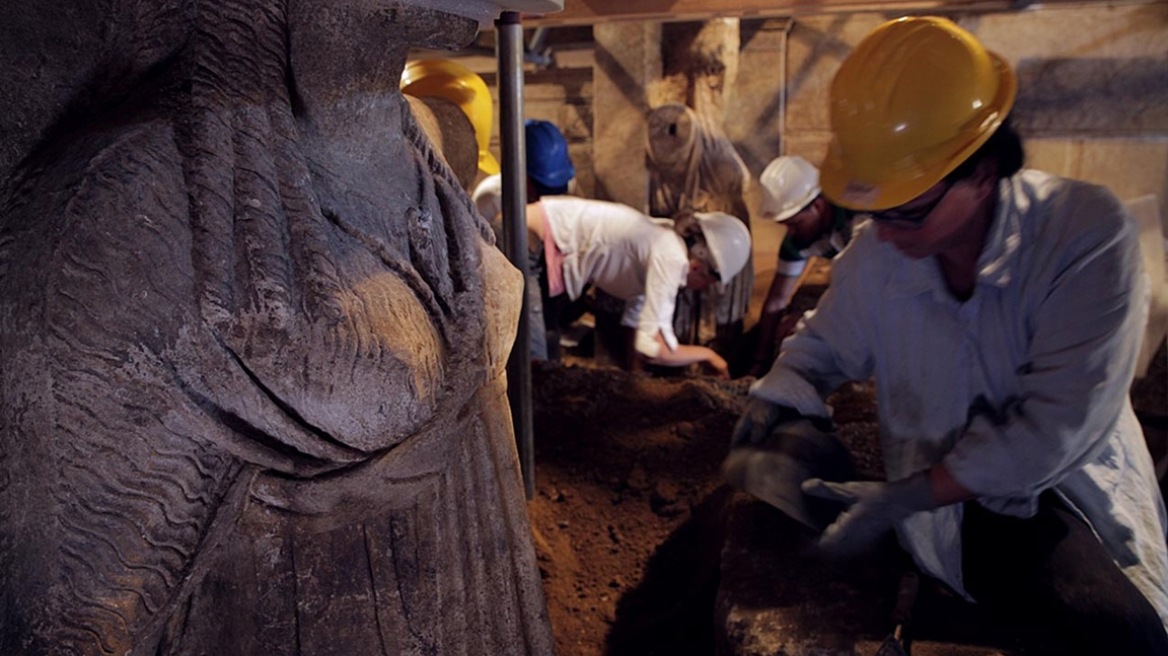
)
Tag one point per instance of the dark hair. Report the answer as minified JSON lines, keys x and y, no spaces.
{"x":1004,"y":147}
{"x":550,"y":190}
{"x":535,"y":190}
{"x":687,"y":226}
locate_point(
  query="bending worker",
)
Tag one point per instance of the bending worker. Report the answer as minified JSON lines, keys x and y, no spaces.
{"x":641,"y":261}
{"x":1000,"y":311}
{"x":815,"y":228}
{"x":576,"y":242}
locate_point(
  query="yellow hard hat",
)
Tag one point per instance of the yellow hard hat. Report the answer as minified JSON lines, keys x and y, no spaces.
{"x":914,"y":99}
{"x":460,"y":85}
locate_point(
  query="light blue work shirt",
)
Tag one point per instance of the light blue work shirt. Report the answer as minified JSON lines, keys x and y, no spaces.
{"x":1020,"y":389}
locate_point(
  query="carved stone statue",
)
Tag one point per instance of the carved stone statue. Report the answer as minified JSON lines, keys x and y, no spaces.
{"x":694,"y":167}
{"x":252,"y":352}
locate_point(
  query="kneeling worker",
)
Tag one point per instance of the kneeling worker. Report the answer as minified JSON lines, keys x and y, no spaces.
{"x":1000,"y":310}
{"x":815,"y":228}
{"x":635,"y":258}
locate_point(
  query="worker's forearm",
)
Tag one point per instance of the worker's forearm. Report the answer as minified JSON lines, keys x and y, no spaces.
{"x":767,"y":325}
{"x":945,"y":489}
{"x":781,"y":291}
{"x":682,"y":355}
{"x":779,"y":296}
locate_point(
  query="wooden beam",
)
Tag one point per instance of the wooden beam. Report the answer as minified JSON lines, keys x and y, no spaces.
{"x":591,"y":12}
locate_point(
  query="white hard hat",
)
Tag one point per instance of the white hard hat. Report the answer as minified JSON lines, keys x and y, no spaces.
{"x":788,"y":185}
{"x":728,"y":240}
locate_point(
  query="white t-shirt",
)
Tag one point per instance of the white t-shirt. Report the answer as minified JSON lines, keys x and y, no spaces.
{"x":625,"y":253}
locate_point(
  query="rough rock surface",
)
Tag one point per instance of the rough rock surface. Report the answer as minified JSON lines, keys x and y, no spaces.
{"x":252,"y":348}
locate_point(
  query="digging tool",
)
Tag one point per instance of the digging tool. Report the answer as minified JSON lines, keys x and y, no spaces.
{"x":794,"y":452}
{"x":898,"y":643}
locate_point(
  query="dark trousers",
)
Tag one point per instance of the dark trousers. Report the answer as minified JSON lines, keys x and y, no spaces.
{"x":1050,"y":571}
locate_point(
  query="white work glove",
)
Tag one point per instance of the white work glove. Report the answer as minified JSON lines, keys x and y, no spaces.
{"x":762,"y":417}
{"x":874,"y":509}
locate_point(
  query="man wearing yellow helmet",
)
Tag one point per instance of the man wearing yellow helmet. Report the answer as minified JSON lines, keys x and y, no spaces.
{"x":1000,"y":311}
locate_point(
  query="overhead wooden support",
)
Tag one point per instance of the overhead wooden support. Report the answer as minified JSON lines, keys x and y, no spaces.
{"x":590,"y":12}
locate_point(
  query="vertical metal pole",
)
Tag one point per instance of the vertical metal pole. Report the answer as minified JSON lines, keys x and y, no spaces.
{"x":514,"y":165}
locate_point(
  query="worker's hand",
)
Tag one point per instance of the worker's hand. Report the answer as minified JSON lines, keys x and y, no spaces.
{"x":760,"y":367}
{"x":759,"y":419}
{"x":787,"y":326}
{"x":718,"y":364}
{"x":874,"y":509}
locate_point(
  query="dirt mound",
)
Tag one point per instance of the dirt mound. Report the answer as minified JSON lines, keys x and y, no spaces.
{"x":629,"y":507}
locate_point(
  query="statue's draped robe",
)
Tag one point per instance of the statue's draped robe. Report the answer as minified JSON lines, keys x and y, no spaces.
{"x":249,"y":407}
{"x":694,"y":167}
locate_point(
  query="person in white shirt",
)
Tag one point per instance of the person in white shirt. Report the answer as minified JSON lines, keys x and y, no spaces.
{"x":1000,"y":311}
{"x":641,"y":261}
{"x":576,"y":242}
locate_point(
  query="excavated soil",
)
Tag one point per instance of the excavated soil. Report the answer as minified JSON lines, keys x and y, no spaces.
{"x":630,"y":509}
{"x":630,"y":512}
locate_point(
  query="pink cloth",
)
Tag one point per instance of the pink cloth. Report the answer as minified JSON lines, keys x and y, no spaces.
{"x":553,"y":259}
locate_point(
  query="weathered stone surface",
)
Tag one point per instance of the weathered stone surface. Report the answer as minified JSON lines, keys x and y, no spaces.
{"x":699,"y":62}
{"x":628,"y":56}
{"x":775,"y":597}
{"x":50,"y":51}
{"x":754,"y":120}
{"x":252,"y":352}
{"x":452,"y":134}
{"x":564,"y":97}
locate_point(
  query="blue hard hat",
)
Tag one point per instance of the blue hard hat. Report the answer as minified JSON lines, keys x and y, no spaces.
{"x":548,"y":162}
